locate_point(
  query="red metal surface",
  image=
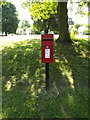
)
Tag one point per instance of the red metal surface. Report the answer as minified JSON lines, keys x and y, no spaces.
{"x":50,"y":46}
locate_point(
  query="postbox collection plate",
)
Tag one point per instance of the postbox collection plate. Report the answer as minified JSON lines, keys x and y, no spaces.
{"x":47,"y":48}
{"x":47,"y":53}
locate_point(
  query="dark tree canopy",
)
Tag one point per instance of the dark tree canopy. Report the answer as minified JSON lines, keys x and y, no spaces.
{"x":9,"y":18}
{"x":47,"y":24}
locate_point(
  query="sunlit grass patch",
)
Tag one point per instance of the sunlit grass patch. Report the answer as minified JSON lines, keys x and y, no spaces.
{"x":24,"y":94}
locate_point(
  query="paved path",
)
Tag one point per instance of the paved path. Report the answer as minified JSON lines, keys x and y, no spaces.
{"x":4,"y":40}
{"x":15,"y":38}
{"x":82,"y":36}
{"x":20,"y":37}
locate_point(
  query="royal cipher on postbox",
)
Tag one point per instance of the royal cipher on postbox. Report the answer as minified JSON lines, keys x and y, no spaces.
{"x":47,"y":48}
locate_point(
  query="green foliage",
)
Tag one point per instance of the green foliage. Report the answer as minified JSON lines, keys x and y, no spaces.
{"x":73,"y":30}
{"x":3,"y":2}
{"x":41,"y":10}
{"x":25,"y":24}
{"x":87,"y":25}
{"x":50,"y":23}
{"x":77,"y":26}
{"x":70,"y":21}
{"x":9,"y":18}
{"x":80,"y":6}
{"x":43,"y":14}
{"x":86,"y":32}
{"x":35,"y":31}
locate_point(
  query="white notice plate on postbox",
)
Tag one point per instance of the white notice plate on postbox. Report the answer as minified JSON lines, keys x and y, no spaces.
{"x":47,"y":53}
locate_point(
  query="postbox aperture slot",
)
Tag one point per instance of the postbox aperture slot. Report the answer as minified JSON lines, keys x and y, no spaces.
{"x":47,"y":39}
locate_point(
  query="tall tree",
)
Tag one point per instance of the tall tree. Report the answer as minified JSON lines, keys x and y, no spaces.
{"x":25,"y":24}
{"x":64,"y":35}
{"x":9,"y":18}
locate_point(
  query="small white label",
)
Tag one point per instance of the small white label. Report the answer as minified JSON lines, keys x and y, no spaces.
{"x":47,"y":53}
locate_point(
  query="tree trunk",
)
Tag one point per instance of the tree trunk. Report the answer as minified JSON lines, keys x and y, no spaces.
{"x":64,"y":36}
{"x":46,"y":31}
{"x":5,"y":33}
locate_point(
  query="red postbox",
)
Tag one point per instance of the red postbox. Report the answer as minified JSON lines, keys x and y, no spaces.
{"x":47,"y":48}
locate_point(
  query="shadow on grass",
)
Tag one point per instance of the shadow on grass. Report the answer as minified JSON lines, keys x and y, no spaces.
{"x":22,"y":73}
{"x":72,"y":61}
{"x":24,"y":93}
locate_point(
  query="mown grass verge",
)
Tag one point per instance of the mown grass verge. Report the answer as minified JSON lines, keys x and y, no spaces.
{"x":23,"y":81}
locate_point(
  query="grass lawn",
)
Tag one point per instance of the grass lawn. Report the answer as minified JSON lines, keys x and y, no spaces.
{"x":23,"y":81}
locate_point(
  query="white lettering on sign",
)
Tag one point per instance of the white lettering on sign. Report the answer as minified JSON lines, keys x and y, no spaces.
{"x":47,"y":53}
